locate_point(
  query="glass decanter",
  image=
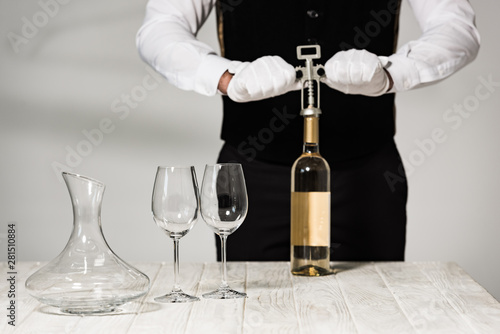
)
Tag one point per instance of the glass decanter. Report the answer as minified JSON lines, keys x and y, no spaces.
{"x":86,"y":277}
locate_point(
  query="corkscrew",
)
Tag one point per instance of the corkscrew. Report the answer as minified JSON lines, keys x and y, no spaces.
{"x":309,"y":78}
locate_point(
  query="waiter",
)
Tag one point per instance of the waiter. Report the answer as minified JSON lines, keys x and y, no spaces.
{"x":262,"y":128}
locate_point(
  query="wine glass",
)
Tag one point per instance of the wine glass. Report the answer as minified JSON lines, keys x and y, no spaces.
{"x":175,"y":207}
{"x":224,"y":206}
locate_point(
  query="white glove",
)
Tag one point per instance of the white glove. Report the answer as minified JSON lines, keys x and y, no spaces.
{"x":357,"y":72}
{"x":263,"y":78}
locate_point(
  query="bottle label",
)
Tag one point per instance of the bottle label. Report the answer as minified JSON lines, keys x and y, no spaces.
{"x":310,"y":218}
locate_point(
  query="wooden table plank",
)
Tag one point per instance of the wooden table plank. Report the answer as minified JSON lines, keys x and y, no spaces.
{"x":321,"y":307}
{"x":468,"y":298}
{"x":426,"y":308}
{"x":371,"y":304}
{"x":394,"y":297}
{"x":270,"y":301}
{"x":219,"y":316}
{"x":165,"y":317}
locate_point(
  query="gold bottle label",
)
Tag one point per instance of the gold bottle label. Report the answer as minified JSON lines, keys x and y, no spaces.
{"x":310,"y":219}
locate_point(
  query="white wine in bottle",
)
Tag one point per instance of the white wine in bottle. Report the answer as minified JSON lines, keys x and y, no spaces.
{"x":310,"y":191}
{"x":310,"y":207}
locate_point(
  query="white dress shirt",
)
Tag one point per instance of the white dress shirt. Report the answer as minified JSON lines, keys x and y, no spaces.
{"x":167,"y":41}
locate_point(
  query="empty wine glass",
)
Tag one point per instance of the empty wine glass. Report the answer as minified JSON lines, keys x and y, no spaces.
{"x":224,"y":206}
{"x":175,"y":206}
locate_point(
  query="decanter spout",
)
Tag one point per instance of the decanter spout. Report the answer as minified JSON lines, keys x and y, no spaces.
{"x":86,"y":197}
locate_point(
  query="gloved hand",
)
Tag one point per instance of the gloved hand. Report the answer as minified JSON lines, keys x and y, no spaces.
{"x":357,"y":72}
{"x":263,"y":78}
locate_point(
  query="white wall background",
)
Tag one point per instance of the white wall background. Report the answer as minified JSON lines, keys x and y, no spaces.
{"x":66,"y":75}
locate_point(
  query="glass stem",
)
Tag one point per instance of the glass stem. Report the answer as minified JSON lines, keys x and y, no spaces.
{"x":176,"y":265}
{"x":223,"y":238}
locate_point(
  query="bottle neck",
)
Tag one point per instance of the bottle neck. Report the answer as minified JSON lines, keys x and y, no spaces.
{"x":311,"y":134}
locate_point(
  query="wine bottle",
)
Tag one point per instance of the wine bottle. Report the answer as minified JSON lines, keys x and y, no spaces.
{"x":310,"y":191}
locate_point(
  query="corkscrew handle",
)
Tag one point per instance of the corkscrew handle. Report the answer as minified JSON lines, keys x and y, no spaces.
{"x":309,"y":76}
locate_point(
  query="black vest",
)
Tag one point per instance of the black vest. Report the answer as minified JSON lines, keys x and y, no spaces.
{"x":271,"y":130}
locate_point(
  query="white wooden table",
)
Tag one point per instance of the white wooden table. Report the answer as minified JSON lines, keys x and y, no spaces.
{"x":392,"y":297}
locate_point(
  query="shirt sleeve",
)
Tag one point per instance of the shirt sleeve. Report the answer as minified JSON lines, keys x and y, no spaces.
{"x":449,"y":41}
{"x":167,"y":41}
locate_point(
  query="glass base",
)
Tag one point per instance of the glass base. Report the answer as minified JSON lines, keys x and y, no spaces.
{"x":176,"y":297}
{"x":224,"y":293}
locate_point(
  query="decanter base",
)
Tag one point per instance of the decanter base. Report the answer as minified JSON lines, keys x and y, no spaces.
{"x":87,"y":306}
{"x":88,"y":311}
